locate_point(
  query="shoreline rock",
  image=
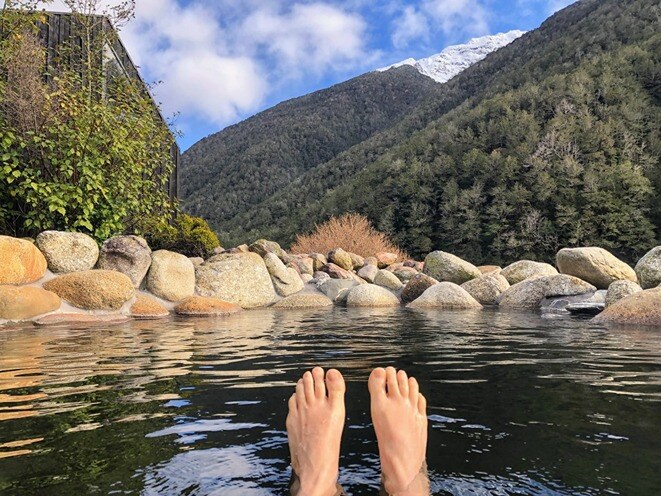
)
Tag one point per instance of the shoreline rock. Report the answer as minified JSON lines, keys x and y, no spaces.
{"x":594,"y":265}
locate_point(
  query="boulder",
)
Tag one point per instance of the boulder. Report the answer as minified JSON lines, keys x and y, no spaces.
{"x":20,"y":261}
{"x":585,"y":308}
{"x":205,"y":306}
{"x":240,"y":278}
{"x":306,"y":278}
{"x":303,"y":264}
{"x":527,"y":269}
{"x":196,"y":261}
{"x":487,"y":269}
{"x":410,"y":263}
{"x":147,"y":308}
{"x":320,"y":277}
{"x":67,"y":251}
{"x":531,"y":292}
{"x":285,"y":279}
{"x":171,"y":276}
{"x":337,"y":272}
{"x":81,"y":320}
{"x":337,"y":289}
{"x":129,"y":255}
{"x":26,"y":302}
{"x":594,"y":265}
{"x":446,"y":295}
{"x":621,"y":289}
{"x":404,"y":274}
{"x":383,"y":259}
{"x":340,"y":258}
{"x":371,"y":261}
{"x":356,"y":260}
{"x":243,"y":248}
{"x":388,"y":280}
{"x":368,"y":272}
{"x":304,"y":300}
{"x":319,"y":261}
{"x":648,"y":269}
{"x":417,"y":285}
{"x":444,"y":266}
{"x":93,"y":289}
{"x":264,"y":246}
{"x":487,"y":288}
{"x":642,"y":308}
{"x":371,"y":295}
{"x":560,"y":304}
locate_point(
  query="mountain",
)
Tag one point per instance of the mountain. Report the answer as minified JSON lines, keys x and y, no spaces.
{"x":445,"y":65}
{"x":235,"y":169}
{"x":551,"y":141}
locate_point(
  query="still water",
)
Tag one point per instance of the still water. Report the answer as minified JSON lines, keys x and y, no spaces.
{"x":518,"y":404}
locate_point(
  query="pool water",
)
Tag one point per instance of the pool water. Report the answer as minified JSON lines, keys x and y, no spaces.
{"x":518,"y":403}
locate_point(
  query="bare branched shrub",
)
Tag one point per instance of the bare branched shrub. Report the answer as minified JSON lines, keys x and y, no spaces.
{"x":25,"y":100}
{"x":352,"y":232}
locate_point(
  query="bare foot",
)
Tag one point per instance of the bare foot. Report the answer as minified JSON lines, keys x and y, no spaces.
{"x":314,"y":427}
{"x":400,"y":421}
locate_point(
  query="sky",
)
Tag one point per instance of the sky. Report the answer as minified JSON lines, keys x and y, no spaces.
{"x":217,"y":62}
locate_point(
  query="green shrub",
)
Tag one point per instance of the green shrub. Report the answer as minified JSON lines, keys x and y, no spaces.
{"x":190,"y":236}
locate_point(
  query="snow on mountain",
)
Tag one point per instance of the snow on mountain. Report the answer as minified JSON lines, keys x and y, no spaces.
{"x":444,"y":66}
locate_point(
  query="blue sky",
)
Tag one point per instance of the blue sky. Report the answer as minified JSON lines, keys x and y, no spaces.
{"x":221,"y":61}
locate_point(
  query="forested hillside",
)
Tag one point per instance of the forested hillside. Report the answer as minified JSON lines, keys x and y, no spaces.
{"x":235,"y":169}
{"x":551,"y":141}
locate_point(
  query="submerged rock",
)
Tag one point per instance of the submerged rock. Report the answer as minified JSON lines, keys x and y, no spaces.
{"x":304,"y":300}
{"x":129,"y":255}
{"x":527,"y":269}
{"x":337,"y":289}
{"x":388,"y":280}
{"x":285,"y":279}
{"x":206,"y":306}
{"x":417,"y":285}
{"x":531,"y":292}
{"x":594,"y":265}
{"x":171,"y":276}
{"x":642,"y":308}
{"x":81,"y":320}
{"x":621,"y":289}
{"x":240,"y":278}
{"x":446,"y":267}
{"x":67,"y":251}
{"x":446,"y":295}
{"x":560,"y":304}
{"x":371,"y":295}
{"x":487,"y":288}
{"x":585,"y":308}
{"x":26,"y":302}
{"x":20,"y":261}
{"x":147,"y":308}
{"x":648,"y":269}
{"x":93,"y":289}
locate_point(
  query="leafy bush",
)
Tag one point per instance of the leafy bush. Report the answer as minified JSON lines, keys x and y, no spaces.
{"x":190,"y":236}
{"x":79,"y":150}
{"x":351,"y":232}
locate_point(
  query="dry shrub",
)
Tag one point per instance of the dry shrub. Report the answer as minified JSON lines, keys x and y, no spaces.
{"x":351,"y":232}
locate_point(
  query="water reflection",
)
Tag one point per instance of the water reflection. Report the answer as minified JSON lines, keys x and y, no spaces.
{"x":518,"y":404}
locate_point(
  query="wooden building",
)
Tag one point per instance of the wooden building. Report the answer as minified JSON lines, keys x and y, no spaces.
{"x":58,"y":30}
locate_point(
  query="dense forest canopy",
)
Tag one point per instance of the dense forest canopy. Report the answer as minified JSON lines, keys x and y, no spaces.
{"x":549,"y":142}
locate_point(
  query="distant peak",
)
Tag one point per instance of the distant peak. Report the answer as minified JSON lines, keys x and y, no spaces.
{"x":445,"y":65}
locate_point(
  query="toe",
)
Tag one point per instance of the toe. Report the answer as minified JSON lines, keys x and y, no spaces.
{"x":293,"y":408}
{"x":422,"y":405}
{"x":403,"y":383}
{"x":414,"y":390}
{"x":308,"y":387}
{"x":300,"y":394}
{"x":377,"y":383}
{"x":335,"y":385}
{"x":391,"y":381}
{"x":319,"y":385}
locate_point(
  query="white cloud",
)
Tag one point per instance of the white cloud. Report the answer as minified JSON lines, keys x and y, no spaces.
{"x":458,"y":17}
{"x":307,"y":37}
{"x":411,"y":25}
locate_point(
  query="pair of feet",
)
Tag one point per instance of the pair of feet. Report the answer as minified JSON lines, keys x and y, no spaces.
{"x":316,"y":420}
